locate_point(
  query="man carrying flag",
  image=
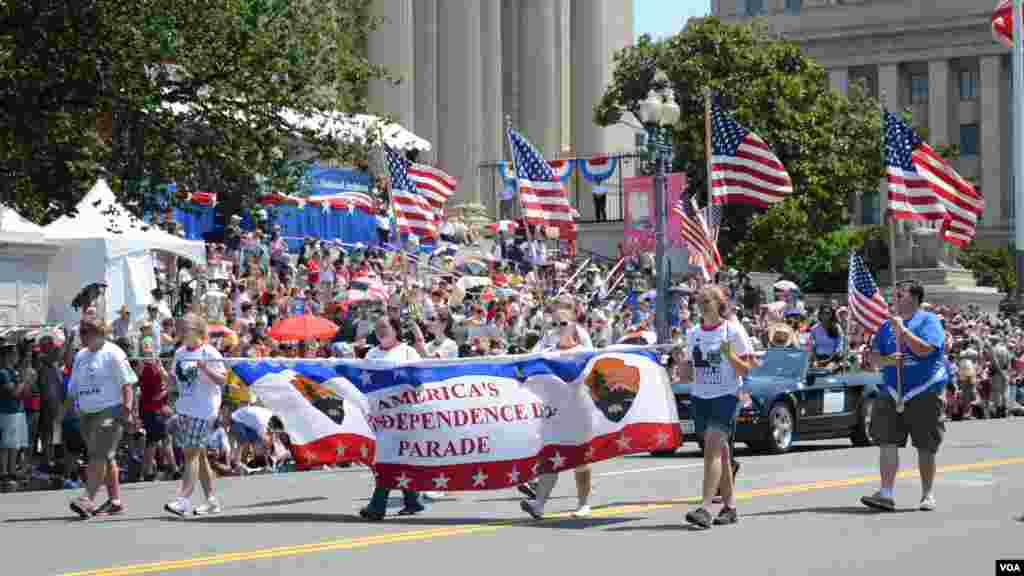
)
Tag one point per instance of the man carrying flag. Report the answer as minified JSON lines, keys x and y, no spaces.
{"x":909,"y":346}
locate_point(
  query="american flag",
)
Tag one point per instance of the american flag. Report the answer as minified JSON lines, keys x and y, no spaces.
{"x":713,"y":217}
{"x":541,"y":193}
{"x":743,"y":169}
{"x":1002,"y":23}
{"x":433,"y":184}
{"x":923,"y":186}
{"x":865,"y":299}
{"x":695,"y":232}
{"x":413,"y":212}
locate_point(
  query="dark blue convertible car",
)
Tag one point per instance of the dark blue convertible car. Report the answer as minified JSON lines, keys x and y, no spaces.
{"x":790,"y":401}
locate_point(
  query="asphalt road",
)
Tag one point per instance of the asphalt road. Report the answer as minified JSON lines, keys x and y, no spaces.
{"x":799,"y":514}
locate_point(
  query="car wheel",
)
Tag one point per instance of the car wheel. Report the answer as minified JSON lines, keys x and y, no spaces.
{"x":700,"y":445}
{"x":780,"y":429}
{"x":862,"y":434}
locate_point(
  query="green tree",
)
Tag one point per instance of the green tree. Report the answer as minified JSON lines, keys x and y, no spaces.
{"x":830,"y":144}
{"x":190,"y":91}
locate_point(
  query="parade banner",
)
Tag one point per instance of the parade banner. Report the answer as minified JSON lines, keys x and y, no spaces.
{"x":639,"y":211}
{"x":472,"y":424}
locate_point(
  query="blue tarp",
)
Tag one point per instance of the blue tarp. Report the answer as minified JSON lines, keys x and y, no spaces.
{"x":352,"y":227}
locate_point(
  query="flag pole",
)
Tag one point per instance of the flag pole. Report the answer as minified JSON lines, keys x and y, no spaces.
{"x":892,"y":259}
{"x":707,"y":140}
{"x":1017,"y":62}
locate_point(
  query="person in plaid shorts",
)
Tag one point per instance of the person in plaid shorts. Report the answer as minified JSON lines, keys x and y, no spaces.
{"x":200,"y":374}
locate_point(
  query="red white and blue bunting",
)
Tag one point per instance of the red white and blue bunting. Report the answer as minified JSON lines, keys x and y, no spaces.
{"x":598,"y":169}
{"x":562,"y":168}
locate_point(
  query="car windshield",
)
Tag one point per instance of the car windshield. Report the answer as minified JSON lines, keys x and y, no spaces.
{"x":781,"y":364}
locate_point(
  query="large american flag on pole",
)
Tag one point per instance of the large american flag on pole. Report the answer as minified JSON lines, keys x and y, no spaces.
{"x":433,"y":184}
{"x":541,"y":193}
{"x":696,"y":233}
{"x":1002,"y":23}
{"x":923,"y":186}
{"x":867,"y":305}
{"x":744,"y":170}
{"x":413,"y":213}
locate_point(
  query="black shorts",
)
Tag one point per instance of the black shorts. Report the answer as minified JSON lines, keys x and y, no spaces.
{"x":921,"y":420}
{"x":155,"y":425}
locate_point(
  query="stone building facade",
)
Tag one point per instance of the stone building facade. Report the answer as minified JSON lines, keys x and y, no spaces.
{"x":466,"y":64}
{"x":936,"y":57}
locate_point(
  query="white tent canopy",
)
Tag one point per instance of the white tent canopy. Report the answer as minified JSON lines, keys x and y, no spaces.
{"x":11,"y":221}
{"x":103,"y":243}
{"x":351,"y":128}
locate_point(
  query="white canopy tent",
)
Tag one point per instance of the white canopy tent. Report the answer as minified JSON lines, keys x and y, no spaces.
{"x":104,"y":243}
{"x":11,"y":221}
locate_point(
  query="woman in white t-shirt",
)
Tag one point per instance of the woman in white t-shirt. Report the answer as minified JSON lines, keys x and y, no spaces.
{"x":718,"y":355}
{"x":393,"y":350}
{"x":441,"y":345}
{"x":568,"y":341}
{"x":199,"y":375}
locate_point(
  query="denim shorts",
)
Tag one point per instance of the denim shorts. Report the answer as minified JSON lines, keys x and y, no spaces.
{"x":714,"y":414}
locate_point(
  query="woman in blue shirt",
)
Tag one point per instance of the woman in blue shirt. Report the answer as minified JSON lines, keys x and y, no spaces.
{"x":826,"y":337}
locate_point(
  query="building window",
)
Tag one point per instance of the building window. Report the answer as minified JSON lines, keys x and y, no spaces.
{"x":794,"y":6}
{"x":755,"y":7}
{"x":866,"y":83}
{"x":968,"y":85}
{"x":969,"y":140}
{"x":919,"y":89}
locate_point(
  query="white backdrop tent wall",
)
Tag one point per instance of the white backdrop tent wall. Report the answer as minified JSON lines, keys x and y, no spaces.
{"x":104,"y":243}
{"x":25,"y":257}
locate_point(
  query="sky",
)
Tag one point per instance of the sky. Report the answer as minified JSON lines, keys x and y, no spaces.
{"x":666,"y":17}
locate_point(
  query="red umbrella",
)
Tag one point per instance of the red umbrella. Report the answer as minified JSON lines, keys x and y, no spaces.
{"x":305,"y":327}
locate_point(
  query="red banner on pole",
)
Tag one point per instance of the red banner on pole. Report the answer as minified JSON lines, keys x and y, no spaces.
{"x":639,"y":214}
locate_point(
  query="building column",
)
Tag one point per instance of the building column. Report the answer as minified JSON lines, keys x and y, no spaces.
{"x":459,"y":94}
{"x":391,"y":46}
{"x":510,"y":58}
{"x":492,"y":124}
{"x":889,"y":86}
{"x":938,"y":103}
{"x":991,"y":143}
{"x":839,"y":78}
{"x":539,"y":78}
{"x":563,"y":41}
{"x":425,"y":107}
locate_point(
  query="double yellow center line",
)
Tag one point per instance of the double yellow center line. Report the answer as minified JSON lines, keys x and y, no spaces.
{"x":485,"y":527}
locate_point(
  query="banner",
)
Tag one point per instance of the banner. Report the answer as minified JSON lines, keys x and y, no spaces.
{"x":639,"y":211}
{"x":471,"y":424}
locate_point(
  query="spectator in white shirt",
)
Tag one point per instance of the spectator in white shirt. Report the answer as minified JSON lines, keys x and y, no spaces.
{"x":441,"y":345}
{"x":102,"y":383}
{"x":199,"y":374}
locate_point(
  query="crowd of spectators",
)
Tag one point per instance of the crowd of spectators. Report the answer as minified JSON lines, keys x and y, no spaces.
{"x":464,"y":297}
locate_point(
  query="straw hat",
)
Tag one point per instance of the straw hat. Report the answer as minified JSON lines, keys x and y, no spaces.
{"x":781,"y":335}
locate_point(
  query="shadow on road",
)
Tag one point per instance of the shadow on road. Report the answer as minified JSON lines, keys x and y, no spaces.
{"x":677,"y":527}
{"x":847,"y":510}
{"x":313,"y":517}
{"x":273,"y":503}
{"x":746,"y":452}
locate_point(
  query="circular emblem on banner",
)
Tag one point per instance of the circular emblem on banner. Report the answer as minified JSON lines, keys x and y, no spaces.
{"x":613,"y":387}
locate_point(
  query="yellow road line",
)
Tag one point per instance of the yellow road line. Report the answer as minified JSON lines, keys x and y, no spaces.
{"x":467,"y":529}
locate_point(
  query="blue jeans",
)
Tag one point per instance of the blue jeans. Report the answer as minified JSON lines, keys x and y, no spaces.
{"x":379,"y":500}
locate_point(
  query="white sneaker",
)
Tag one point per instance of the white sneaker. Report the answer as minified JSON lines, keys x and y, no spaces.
{"x":928,"y":503}
{"x":178,"y":506}
{"x":582,"y":511}
{"x":212,"y":506}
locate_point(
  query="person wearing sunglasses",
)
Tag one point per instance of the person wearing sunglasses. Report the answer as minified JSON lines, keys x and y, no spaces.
{"x":568,"y":341}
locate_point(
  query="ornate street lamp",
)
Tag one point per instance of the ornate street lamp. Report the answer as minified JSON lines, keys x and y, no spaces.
{"x":659,"y":112}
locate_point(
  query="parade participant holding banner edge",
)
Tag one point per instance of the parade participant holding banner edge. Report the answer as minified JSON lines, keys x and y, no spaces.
{"x":718,"y":355}
{"x":914,"y":338}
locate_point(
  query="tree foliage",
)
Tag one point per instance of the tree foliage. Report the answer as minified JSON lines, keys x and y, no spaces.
{"x":190,"y":91}
{"x":991,"y":266}
{"x":830,"y":144}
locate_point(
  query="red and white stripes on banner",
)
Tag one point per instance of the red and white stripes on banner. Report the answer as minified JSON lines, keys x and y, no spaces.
{"x":414,"y":214}
{"x":562,"y":168}
{"x":1002,"y":23}
{"x":963,"y":204}
{"x":343,"y":201}
{"x":433,"y":184}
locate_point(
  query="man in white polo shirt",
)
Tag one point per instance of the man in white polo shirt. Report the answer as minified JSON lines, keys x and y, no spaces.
{"x":102,"y":382}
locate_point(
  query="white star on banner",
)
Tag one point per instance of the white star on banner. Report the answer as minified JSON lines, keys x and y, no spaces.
{"x":590,"y":452}
{"x":536,"y":468}
{"x":480,"y":479}
{"x":513,"y":476}
{"x":557,"y":461}
{"x":441,"y":481}
{"x":623,"y":442}
{"x":663,"y":438}
{"x":364,"y":451}
{"x":403,"y":481}
{"x":366,"y":378}
{"x":340,"y":450}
